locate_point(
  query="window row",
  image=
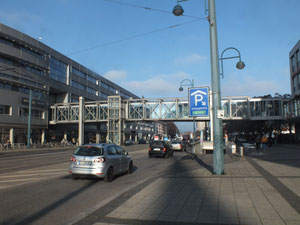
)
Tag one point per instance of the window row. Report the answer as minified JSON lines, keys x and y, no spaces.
{"x":22,"y":47}
{"x":23,"y":90}
{"x":296,"y":83}
{"x":295,"y":60}
{"x":35,"y":113}
{"x":84,"y":75}
{"x":27,"y":67}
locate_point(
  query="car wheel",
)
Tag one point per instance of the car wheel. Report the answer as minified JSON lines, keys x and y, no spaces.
{"x":109,"y":175}
{"x":130,"y":168}
{"x":166,"y":155}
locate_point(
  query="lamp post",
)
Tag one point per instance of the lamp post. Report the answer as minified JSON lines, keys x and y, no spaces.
{"x":29,"y":118}
{"x":215,"y":86}
{"x":190,"y":84}
{"x":239,"y":65}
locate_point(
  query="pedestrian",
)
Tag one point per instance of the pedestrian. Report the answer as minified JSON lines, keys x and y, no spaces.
{"x":264,"y":142}
{"x":257,"y":141}
{"x":73,"y":141}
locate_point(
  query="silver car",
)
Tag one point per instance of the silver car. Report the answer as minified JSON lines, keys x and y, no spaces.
{"x":100,"y":160}
{"x":176,"y":145}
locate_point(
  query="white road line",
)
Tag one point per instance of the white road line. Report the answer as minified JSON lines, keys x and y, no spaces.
{"x":25,"y":179}
{"x":32,"y":156}
{"x":32,"y":175}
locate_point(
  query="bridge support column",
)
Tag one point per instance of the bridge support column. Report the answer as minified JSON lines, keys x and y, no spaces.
{"x":97,"y":137}
{"x":43,"y":134}
{"x":81,"y":121}
{"x":11,"y":135}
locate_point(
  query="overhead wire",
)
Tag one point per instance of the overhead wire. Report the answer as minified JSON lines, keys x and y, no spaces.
{"x":142,"y":34}
{"x":133,"y":36}
{"x":148,"y":8}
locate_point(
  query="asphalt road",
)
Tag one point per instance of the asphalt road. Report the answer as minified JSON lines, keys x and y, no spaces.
{"x":36,"y":188}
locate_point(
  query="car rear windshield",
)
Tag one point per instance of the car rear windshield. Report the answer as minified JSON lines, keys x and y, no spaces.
{"x":157,"y":144}
{"x":88,"y":151}
{"x":175,"y":142}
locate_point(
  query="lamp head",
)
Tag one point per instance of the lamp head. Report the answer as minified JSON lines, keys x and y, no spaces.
{"x":181,"y":89}
{"x":178,"y":10}
{"x":240,"y":65}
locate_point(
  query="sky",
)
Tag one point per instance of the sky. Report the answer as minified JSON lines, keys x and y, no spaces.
{"x":141,"y":46}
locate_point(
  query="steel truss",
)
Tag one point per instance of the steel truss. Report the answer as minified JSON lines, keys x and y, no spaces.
{"x":166,"y":109}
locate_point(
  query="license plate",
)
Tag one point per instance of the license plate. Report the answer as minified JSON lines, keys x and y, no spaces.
{"x":85,"y":163}
{"x":156,"y":149}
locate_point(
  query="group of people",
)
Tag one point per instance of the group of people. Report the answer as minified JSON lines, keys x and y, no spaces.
{"x":264,"y":141}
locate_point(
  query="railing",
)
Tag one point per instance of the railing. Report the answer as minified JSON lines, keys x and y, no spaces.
{"x":172,"y":109}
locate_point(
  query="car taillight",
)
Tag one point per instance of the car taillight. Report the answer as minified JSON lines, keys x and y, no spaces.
{"x":73,"y":159}
{"x":149,"y":149}
{"x":164,"y":149}
{"x":180,"y":146}
{"x":99,"y":160}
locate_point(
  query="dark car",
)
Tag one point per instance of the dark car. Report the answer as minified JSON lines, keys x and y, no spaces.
{"x":142,"y":141}
{"x":160,"y":148}
{"x":128,"y":142}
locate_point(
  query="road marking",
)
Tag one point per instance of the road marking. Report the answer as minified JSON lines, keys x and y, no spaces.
{"x":13,"y":179}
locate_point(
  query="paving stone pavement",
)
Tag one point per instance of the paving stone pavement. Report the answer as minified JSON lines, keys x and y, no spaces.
{"x":259,"y":189}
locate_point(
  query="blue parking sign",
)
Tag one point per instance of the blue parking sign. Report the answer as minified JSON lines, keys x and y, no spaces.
{"x":199,"y":101}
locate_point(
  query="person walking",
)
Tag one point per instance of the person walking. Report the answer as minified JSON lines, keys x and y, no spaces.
{"x":257,"y":141}
{"x":264,"y":142}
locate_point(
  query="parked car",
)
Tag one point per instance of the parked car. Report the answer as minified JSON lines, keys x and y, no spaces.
{"x":128,"y":142}
{"x":160,"y":148}
{"x":177,"y":145}
{"x":100,"y":160}
{"x":142,"y":141}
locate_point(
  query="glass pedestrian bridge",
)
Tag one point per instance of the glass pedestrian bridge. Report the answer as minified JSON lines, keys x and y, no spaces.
{"x":165,"y":109}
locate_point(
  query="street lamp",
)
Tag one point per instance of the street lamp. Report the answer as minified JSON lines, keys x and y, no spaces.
{"x":189,"y":84}
{"x":29,"y":118}
{"x":178,"y":10}
{"x":239,"y":65}
{"x":215,"y":87}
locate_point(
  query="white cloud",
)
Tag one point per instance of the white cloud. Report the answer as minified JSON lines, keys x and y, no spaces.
{"x":164,"y":85}
{"x":190,"y":59}
{"x":249,"y":86}
{"x":116,"y":75}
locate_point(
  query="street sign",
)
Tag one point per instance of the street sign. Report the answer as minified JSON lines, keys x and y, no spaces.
{"x":199,"y":101}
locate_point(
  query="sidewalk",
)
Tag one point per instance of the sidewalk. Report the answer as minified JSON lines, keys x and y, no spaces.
{"x":262,"y":188}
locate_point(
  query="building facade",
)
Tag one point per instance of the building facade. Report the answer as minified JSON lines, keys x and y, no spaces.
{"x":294,"y":58}
{"x":27,"y":65}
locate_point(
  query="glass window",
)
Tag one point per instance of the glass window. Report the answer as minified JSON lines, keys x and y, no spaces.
{"x":295,"y":83}
{"x":58,"y":70}
{"x":293,"y":59}
{"x":5,"y":110}
{"x":92,"y":79}
{"x":34,"y":113}
{"x":79,"y":73}
{"x":111,"y":150}
{"x":35,"y":70}
{"x":77,"y":85}
{"x":91,"y":90}
{"x":104,"y":85}
{"x":103,"y":95}
{"x":112,"y":89}
{"x":88,"y":151}
{"x":298,"y":59}
{"x":120,"y":151}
